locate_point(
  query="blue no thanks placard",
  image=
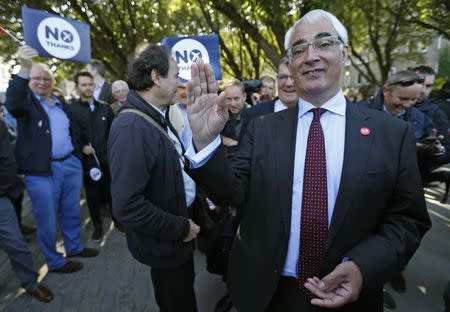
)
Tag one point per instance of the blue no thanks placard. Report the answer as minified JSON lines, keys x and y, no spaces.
{"x":55,"y":36}
{"x":186,"y":50}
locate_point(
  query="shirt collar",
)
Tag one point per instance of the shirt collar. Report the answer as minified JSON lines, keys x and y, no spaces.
{"x":55,"y":100}
{"x":161,"y":110}
{"x":403,"y":112}
{"x":180,"y":106}
{"x":336,"y":105}
{"x":100,"y":84}
{"x":278,"y":106}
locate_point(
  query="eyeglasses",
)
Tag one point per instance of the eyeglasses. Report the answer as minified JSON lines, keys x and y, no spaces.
{"x":321,"y":45}
{"x":408,"y":81}
{"x":284,"y":77}
{"x":45,"y":79}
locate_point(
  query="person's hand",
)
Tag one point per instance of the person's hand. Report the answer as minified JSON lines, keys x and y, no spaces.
{"x":194,"y":229}
{"x":25,"y":55}
{"x":228,"y":141}
{"x":207,"y":111}
{"x":343,"y":285}
{"x":88,"y":150}
{"x":255,"y":98}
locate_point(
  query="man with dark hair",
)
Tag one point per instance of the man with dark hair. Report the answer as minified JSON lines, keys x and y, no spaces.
{"x":47,"y":153}
{"x":332,"y":203}
{"x":151,"y":192}
{"x":94,"y":119}
{"x":102,"y":91}
{"x":429,"y":108}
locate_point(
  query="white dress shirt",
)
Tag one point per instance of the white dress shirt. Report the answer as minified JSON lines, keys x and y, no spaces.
{"x":278,"y":106}
{"x":333,"y":125}
{"x":98,"y":89}
{"x":189,"y":184}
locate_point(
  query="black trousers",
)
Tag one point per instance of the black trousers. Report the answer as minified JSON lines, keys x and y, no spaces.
{"x":289,"y":298}
{"x":17,"y":203}
{"x":174,"y":288}
{"x":98,"y":195}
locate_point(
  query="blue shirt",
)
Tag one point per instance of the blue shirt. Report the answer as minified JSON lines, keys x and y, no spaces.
{"x":333,"y":125}
{"x":59,"y":127}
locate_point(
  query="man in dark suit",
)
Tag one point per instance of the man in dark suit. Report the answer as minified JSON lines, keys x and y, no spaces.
{"x":287,"y":97}
{"x":102,"y":91}
{"x":332,"y":200}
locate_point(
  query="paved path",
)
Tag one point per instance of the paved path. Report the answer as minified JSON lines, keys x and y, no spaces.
{"x":114,"y":281}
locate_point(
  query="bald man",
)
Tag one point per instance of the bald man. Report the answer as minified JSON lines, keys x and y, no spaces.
{"x":47,"y":153}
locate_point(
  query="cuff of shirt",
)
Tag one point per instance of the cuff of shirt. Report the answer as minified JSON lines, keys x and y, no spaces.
{"x":197,"y":160}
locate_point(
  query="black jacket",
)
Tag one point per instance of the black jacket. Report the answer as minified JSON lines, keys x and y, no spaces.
{"x":94,"y":127}
{"x":147,"y":188}
{"x":106,"y":94}
{"x":378,"y":219}
{"x":10,"y":185}
{"x":254,"y":112}
{"x":34,"y":140}
{"x":439,"y":119}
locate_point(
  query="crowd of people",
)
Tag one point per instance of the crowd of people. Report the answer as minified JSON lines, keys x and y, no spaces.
{"x":296,"y":192}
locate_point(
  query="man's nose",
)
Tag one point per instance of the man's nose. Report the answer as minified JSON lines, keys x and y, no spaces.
{"x":311,"y":54}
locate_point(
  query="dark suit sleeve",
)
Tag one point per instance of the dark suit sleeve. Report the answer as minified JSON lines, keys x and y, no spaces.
{"x":132,"y":154}
{"x":403,"y":223}
{"x":245,"y":120}
{"x":226,"y":181}
{"x":17,"y":96}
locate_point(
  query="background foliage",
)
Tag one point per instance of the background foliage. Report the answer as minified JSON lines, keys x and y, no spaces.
{"x":251,"y":33}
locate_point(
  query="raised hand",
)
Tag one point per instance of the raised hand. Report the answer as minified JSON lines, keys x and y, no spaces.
{"x":25,"y":54}
{"x":338,"y":288}
{"x":207,"y":111}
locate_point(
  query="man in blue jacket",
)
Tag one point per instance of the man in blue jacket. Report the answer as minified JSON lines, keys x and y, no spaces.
{"x":47,"y":153}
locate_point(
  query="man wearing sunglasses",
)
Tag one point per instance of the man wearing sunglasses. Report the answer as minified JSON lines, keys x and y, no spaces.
{"x":398,"y":97}
{"x":327,"y":216}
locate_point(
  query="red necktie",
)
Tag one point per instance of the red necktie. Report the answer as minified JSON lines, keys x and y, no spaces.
{"x":314,"y":210}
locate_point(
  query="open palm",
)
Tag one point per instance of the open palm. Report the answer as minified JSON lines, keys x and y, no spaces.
{"x":207,"y":111}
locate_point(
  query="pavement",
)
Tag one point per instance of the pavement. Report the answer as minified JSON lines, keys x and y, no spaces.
{"x":114,"y":281}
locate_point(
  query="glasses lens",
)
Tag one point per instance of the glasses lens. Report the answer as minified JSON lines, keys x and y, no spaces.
{"x":324,"y":44}
{"x":299,"y":50}
{"x":421,"y":80}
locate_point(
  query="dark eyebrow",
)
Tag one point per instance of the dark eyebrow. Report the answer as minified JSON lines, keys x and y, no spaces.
{"x":319,"y":35}
{"x":323,"y":34}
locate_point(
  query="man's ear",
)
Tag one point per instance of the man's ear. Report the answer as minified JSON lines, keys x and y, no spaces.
{"x":344,"y":54}
{"x":155,"y":77}
{"x":386,"y":91}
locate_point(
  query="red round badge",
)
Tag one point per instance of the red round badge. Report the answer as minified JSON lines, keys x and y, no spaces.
{"x":364,"y":131}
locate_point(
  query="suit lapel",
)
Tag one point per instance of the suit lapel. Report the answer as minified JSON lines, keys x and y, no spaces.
{"x":356,"y":151}
{"x":285,"y":137}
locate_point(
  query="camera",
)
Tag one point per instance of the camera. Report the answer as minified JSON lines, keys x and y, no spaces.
{"x":251,"y":87}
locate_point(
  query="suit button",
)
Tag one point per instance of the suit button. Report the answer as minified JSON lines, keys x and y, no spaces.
{"x":275,"y":271}
{"x":48,"y":131}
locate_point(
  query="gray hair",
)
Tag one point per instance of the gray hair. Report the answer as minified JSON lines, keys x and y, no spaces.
{"x":313,"y":17}
{"x":117,"y":84}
